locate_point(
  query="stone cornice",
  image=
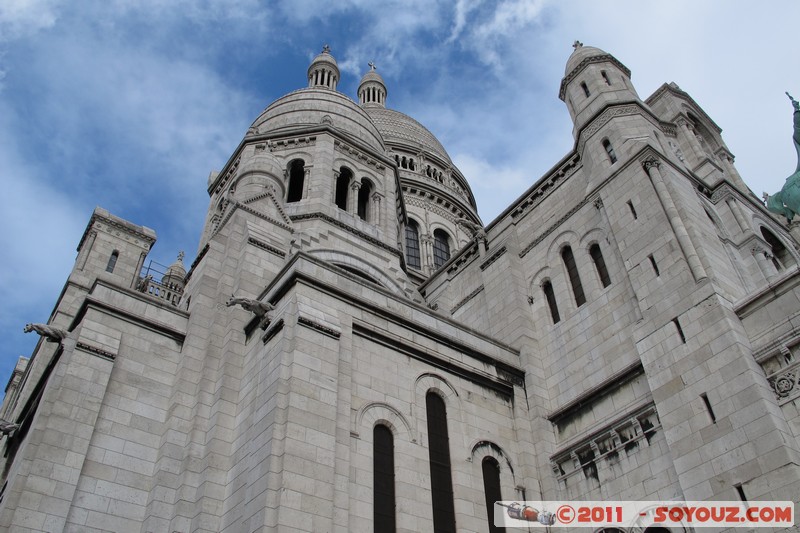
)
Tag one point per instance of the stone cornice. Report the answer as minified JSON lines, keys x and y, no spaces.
{"x":358,"y":233}
{"x":143,"y":233}
{"x":466,"y":299}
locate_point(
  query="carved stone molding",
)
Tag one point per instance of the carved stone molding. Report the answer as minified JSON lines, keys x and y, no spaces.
{"x":604,"y":118}
{"x":296,"y":142}
{"x":94,"y":350}
{"x":466,"y":299}
{"x":651,"y":162}
{"x":267,"y":247}
{"x":545,"y":187}
{"x":350,"y":151}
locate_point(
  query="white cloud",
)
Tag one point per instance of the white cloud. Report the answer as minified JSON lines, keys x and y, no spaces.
{"x":25,"y":17}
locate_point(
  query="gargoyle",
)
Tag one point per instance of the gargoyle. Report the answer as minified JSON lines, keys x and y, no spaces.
{"x":258,"y":308}
{"x":50,"y":333}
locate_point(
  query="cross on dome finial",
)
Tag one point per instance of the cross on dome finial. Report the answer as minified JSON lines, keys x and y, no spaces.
{"x":371,"y":65}
{"x":577,"y":44}
{"x":326,"y":49}
{"x":181,"y":255}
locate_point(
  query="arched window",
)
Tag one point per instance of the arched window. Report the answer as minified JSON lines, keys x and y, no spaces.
{"x":364,"y":194}
{"x":600,"y":264}
{"x":574,"y":277}
{"x":550,"y":296}
{"x":342,"y":187}
{"x":610,"y":151}
{"x":491,"y":488}
{"x":383,"y":510}
{"x":112,"y":261}
{"x":412,"y":245}
{"x":441,"y":248}
{"x":296,"y":176}
{"x":585,"y":89}
{"x":444,"y":515}
{"x":605,"y":77}
{"x":781,"y":257}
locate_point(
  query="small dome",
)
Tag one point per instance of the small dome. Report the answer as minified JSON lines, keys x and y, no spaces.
{"x":175,"y":273}
{"x":323,"y":70}
{"x":372,"y":89}
{"x":581,"y":52}
{"x":372,"y":75}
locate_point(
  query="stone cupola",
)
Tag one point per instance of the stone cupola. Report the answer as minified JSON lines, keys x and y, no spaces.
{"x":323,"y":72}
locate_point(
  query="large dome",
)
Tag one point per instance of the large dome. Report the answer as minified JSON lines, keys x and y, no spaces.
{"x":398,"y":128}
{"x":314,"y":107}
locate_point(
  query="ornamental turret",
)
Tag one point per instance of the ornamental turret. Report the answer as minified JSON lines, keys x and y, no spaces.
{"x":372,"y":89}
{"x":594,"y":79}
{"x":323,"y":72}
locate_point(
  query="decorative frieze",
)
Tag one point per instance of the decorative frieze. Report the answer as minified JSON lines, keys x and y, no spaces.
{"x":295,"y":142}
{"x":783,"y":373}
{"x":624,"y":435}
{"x":357,"y":154}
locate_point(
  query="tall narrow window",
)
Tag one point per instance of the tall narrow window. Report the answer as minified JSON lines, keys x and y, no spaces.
{"x":633,"y":210}
{"x":112,"y":261}
{"x":600,"y":264}
{"x":342,"y":187}
{"x":605,"y":77}
{"x":550,"y":296}
{"x":383,"y":510}
{"x":574,"y":277}
{"x":296,"y":178}
{"x":412,"y":245}
{"x":781,"y":257}
{"x":364,"y":194}
{"x":491,"y":488}
{"x":610,"y":151}
{"x":441,"y":248}
{"x":585,"y":89}
{"x":444,"y":515}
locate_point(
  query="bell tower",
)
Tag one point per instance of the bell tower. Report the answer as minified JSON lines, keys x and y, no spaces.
{"x":606,"y":111}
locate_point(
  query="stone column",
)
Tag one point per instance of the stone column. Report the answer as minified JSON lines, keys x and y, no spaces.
{"x":764,"y":261}
{"x":377,"y":215}
{"x":738,"y":215}
{"x":306,"y":179}
{"x":694,"y":144}
{"x":352,"y":198}
{"x":652,"y":167}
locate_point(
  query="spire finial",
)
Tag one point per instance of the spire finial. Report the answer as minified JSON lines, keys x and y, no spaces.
{"x":371,"y":65}
{"x":577,"y":44}
{"x":181,"y":255}
{"x":326,"y":49}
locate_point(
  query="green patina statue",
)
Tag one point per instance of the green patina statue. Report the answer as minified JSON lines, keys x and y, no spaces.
{"x":787,"y":201}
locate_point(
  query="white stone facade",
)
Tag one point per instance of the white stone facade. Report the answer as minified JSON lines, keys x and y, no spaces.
{"x":628,"y":329}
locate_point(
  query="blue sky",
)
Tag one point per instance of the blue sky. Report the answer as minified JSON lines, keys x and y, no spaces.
{"x":130,"y":104}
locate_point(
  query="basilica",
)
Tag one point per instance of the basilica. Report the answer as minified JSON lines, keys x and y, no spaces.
{"x":352,"y":349}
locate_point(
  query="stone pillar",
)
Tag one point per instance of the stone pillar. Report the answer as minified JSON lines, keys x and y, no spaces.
{"x":694,"y":145}
{"x":738,"y":215}
{"x":377,"y":215}
{"x":652,"y":167}
{"x":352,"y":198}
{"x":764,"y":261}
{"x":306,"y":180}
